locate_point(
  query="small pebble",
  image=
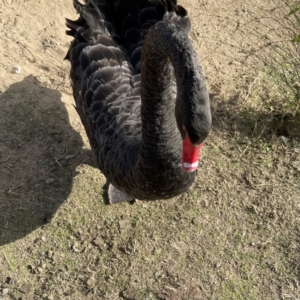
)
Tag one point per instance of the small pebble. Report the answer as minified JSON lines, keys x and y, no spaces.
{"x":91,"y":282}
{"x":49,"y":180}
{"x":25,"y":288}
{"x":18,"y":69}
{"x":75,"y":247}
{"x":67,"y":157}
{"x":55,"y":257}
{"x":284,"y":138}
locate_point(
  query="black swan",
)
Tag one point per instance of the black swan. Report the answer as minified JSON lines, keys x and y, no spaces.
{"x":140,"y":93}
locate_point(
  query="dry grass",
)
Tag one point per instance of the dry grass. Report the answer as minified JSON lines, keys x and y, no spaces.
{"x":234,"y":235}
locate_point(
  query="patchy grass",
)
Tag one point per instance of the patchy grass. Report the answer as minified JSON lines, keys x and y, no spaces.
{"x":234,"y":235}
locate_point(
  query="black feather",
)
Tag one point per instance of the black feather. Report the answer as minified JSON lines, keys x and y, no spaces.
{"x":131,"y":65}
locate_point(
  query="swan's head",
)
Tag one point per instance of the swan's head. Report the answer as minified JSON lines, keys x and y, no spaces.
{"x":194,"y":122}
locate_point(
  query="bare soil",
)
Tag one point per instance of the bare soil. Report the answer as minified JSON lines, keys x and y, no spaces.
{"x":234,"y":235}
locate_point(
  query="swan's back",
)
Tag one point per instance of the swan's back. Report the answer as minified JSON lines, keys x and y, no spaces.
{"x":105,"y":58}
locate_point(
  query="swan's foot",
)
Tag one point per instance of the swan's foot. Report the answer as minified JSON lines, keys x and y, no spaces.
{"x":116,"y":196}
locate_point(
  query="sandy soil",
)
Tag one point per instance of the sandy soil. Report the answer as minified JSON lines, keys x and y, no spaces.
{"x":46,"y":164}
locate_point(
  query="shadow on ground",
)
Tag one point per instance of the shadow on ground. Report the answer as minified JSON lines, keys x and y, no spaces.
{"x":40,"y":150}
{"x":39,"y":153}
{"x":234,"y":118}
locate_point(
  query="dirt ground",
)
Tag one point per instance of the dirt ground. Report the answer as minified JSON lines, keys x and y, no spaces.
{"x":234,"y":235}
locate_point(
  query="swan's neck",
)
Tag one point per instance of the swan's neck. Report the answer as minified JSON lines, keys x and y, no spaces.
{"x":167,"y":52}
{"x":159,"y":129}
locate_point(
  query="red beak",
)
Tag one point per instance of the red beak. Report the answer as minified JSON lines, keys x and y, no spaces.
{"x":190,"y":154}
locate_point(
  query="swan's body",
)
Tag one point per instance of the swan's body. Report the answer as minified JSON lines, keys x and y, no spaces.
{"x":139,"y":90}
